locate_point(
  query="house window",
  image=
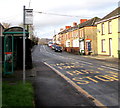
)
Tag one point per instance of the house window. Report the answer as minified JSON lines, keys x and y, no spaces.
{"x":103,"y":45}
{"x":119,"y":25}
{"x":81,"y":33}
{"x":103,"y":28}
{"x":110,"y":27}
{"x":68,"y":44}
{"x":119,"y":44}
{"x":72,"y":34}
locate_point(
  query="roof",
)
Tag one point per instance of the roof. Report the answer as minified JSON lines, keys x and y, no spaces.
{"x":112,"y":15}
{"x":90,"y":22}
{"x":115,"y":12}
{"x":65,"y":31}
{"x":17,"y":31}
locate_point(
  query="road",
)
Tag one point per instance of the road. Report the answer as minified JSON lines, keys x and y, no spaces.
{"x":94,"y":78}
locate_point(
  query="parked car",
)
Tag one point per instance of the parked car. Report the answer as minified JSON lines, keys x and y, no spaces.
{"x":58,"y":48}
{"x":50,"y":44}
{"x":53,"y":47}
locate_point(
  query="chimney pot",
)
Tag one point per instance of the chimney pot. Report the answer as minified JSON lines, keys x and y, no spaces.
{"x":83,"y":20}
{"x":74,"y":24}
{"x":67,"y":27}
{"x":61,"y":29}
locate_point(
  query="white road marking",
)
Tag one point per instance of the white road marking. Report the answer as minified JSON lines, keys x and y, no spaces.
{"x":110,"y":68}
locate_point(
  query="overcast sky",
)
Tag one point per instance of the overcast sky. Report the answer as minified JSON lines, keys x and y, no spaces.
{"x":46,"y":25}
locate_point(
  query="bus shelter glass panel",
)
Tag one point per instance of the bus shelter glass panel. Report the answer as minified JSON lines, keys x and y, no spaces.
{"x":8,"y":54}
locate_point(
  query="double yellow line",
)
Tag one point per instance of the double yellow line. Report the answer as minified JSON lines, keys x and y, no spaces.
{"x":94,"y":100}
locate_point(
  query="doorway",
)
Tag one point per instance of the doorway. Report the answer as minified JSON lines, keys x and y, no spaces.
{"x":110,"y":46}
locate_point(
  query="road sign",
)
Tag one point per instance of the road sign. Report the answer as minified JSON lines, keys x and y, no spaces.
{"x":28,"y":16}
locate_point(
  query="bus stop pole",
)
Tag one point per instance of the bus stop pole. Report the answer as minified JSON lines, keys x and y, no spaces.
{"x":24,"y":44}
{"x":12,"y":53}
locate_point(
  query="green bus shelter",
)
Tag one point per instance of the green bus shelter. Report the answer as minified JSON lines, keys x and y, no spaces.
{"x":10,"y":47}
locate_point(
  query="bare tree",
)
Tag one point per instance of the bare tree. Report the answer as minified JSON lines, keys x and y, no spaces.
{"x":27,"y":26}
{"x":6,"y":25}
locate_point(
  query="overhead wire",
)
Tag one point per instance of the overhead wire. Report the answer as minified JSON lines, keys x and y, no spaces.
{"x":57,"y":14}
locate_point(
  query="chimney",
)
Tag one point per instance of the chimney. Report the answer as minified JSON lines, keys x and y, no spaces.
{"x":61,"y":29}
{"x":67,"y":27}
{"x":83,"y":20}
{"x":74,"y":24}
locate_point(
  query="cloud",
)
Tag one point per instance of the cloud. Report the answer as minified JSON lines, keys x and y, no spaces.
{"x":12,"y":12}
{"x":85,"y":9}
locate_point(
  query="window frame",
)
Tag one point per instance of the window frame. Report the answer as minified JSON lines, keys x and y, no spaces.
{"x":109,"y":27}
{"x":118,"y":25}
{"x":103,"y":28}
{"x":103,"y":49}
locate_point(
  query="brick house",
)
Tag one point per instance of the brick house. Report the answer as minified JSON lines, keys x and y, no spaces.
{"x":80,"y":38}
{"x":88,"y":36}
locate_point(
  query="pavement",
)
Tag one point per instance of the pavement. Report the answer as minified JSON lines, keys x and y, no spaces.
{"x":103,"y":58}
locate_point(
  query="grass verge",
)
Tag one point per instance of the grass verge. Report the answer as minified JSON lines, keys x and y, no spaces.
{"x":17,"y":95}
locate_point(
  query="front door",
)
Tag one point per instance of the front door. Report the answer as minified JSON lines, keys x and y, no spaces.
{"x":82,"y":46}
{"x":110,"y":46}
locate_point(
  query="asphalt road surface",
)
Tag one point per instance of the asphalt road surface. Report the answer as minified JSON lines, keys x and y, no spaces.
{"x":94,"y":78}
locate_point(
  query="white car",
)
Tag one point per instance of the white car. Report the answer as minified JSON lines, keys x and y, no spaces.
{"x":50,"y":44}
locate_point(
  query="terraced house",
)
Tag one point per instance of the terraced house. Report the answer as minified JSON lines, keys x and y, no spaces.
{"x":80,"y":38}
{"x":88,"y":36}
{"x":108,"y":34}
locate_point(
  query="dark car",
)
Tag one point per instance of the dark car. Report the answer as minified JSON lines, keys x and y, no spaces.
{"x":58,"y":48}
{"x":53,"y":47}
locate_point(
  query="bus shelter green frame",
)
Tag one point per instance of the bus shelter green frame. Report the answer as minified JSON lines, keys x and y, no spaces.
{"x":12,"y":34}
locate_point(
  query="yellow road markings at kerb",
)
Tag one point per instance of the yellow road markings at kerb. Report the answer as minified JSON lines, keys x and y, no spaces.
{"x":100,"y":68}
{"x":94,"y":100}
{"x":90,"y":79}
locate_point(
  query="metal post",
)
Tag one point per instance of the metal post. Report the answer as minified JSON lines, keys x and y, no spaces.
{"x":4,"y":54}
{"x":12,"y":53}
{"x":24,"y":44}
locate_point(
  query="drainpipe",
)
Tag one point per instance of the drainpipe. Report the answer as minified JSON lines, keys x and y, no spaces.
{"x":1,"y":30}
{"x":84,"y":39}
{"x":79,"y":37}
